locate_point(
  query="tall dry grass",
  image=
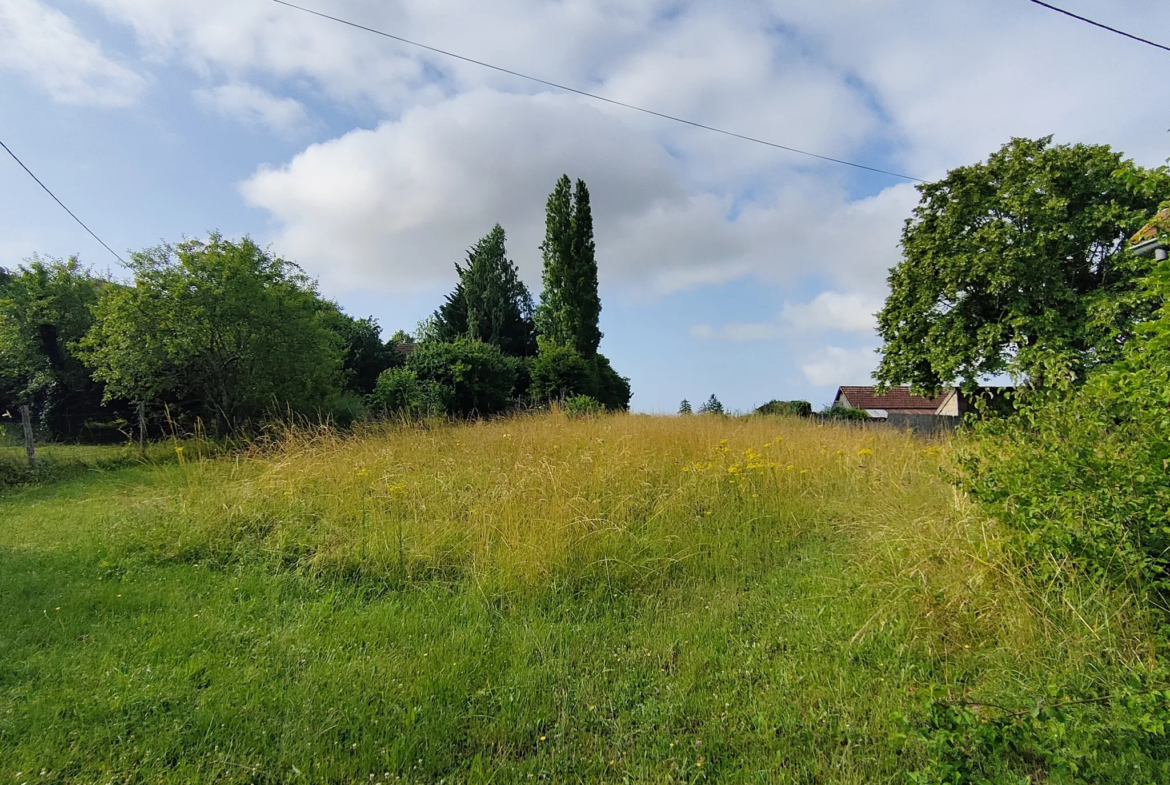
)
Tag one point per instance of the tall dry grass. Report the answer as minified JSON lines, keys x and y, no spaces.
{"x":538,"y":501}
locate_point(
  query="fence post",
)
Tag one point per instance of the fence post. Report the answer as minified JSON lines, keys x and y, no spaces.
{"x":30,"y":446}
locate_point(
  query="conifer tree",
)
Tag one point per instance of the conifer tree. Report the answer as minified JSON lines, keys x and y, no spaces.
{"x":490,"y":303}
{"x":569,"y":305}
{"x":712,"y":406}
{"x":684,"y":407}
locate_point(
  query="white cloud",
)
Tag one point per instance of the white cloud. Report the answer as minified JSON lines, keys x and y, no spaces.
{"x":252,"y":105}
{"x":850,"y":312}
{"x":836,"y":366}
{"x":45,"y":45}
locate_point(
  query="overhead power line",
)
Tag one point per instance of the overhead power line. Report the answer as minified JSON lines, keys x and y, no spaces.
{"x":597,"y":97}
{"x":1098,"y":24}
{"x":63,"y":207}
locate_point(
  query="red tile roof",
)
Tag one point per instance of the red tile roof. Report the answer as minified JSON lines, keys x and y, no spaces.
{"x":1159,"y":223}
{"x":897,"y":399}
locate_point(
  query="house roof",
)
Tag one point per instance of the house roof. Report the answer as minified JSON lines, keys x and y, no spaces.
{"x":1159,"y":223}
{"x":897,"y":399}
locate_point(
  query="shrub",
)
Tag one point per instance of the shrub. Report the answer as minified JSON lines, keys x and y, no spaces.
{"x":580,"y":406}
{"x":559,"y":372}
{"x":399,"y":391}
{"x":795,"y":408}
{"x":477,"y":378}
{"x":610,"y":389}
{"x":1080,"y":473}
{"x":843,"y":413}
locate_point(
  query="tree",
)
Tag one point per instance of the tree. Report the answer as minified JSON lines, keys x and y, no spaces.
{"x":364,"y":355}
{"x":44,"y":311}
{"x":712,"y":406}
{"x":569,"y":305}
{"x":559,"y":372}
{"x":1018,"y":265}
{"x":685,"y":407}
{"x":222,"y":329}
{"x":490,"y":302}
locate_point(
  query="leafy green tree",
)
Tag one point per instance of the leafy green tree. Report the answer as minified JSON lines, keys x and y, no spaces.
{"x":364,"y":355}
{"x":1018,"y":265}
{"x":400,"y":392}
{"x":45,"y":309}
{"x":221,"y":329}
{"x":569,"y":305}
{"x":490,"y":302}
{"x":685,"y":407}
{"x":712,"y":406}
{"x":609,"y":387}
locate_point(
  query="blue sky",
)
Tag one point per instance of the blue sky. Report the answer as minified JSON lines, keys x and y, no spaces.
{"x":726,"y":267}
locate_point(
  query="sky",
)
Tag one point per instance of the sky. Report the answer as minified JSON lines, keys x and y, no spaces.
{"x":726,"y":267}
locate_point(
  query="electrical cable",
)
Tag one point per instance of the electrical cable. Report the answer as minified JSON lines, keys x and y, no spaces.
{"x":1098,"y":24}
{"x":58,"y":201}
{"x":596,"y":97}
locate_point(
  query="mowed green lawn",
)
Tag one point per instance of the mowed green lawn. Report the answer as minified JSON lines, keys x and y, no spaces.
{"x":616,"y":599}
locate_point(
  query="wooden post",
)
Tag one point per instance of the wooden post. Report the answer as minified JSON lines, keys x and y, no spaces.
{"x":141,"y":427}
{"x":30,"y":446}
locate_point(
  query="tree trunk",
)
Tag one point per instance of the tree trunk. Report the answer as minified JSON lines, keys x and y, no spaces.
{"x":141,"y":427}
{"x":30,"y":446}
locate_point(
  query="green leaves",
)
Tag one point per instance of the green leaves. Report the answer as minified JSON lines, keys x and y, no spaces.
{"x":569,"y":305}
{"x":1017,"y":265}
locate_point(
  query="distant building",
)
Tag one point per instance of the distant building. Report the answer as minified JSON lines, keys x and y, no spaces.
{"x":951,"y":402}
{"x":896,"y":400}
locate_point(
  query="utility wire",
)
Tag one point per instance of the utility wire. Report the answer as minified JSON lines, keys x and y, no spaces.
{"x":596,"y":97}
{"x":1098,"y":24}
{"x":58,"y":201}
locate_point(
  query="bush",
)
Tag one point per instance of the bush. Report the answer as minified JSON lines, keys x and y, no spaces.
{"x":611,"y":389}
{"x":794,"y":408}
{"x":399,"y":391}
{"x":844,"y":413}
{"x":559,"y":372}
{"x":1081,"y":473}
{"x":474,"y":377}
{"x":580,"y":406}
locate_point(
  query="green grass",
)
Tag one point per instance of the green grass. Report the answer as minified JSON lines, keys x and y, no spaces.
{"x":571,"y":601}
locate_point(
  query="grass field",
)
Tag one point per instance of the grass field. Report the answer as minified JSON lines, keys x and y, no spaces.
{"x":618,"y":599}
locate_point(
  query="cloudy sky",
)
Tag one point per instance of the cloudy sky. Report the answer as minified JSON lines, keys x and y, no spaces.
{"x":726,"y":267}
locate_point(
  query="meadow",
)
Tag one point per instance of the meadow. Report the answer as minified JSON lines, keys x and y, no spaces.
{"x":601,"y":599}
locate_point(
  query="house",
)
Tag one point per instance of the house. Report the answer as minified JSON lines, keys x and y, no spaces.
{"x":896,"y":400}
{"x":951,"y":402}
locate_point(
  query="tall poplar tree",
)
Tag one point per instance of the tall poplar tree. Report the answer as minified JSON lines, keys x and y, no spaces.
{"x":569,"y":305}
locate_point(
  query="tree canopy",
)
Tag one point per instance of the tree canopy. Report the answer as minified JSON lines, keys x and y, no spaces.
{"x":1018,"y":265}
{"x":490,"y":302}
{"x":569,"y":305}
{"x":221,"y":329}
{"x":44,"y":312}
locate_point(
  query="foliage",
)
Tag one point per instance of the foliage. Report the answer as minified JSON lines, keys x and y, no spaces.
{"x":1117,"y":738}
{"x":45,"y":309}
{"x":581,"y":406}
{"x":364,"y":355}
{"x":218,"y":329}
{"x":471,"y":377}
{"x":569,"y":305}
{"x":1018,"y":265}
{"x":490,"y":302}
{"x":792,"y":408}
{"x":559,"y":371}
{"x":712,"y":406}
{"x":1080,"y":472}
{"x":400,"y":392}
{"x":685,"y":407}
{"x":847,"y":413}
{"x":609,"y":387}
